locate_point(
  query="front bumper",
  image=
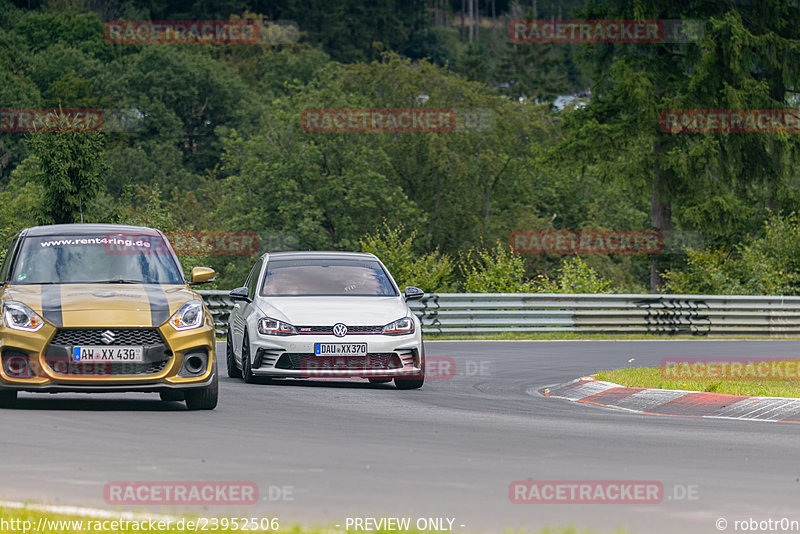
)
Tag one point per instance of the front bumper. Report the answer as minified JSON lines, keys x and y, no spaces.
{"x":41,"y":361}
{"x":294,"y":357}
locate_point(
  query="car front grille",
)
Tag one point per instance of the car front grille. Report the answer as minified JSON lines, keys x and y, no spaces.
{"x":68,"y":368}
{"x":308,"y":361}
{"x":92,"y":336}
{"x":308,"y":330}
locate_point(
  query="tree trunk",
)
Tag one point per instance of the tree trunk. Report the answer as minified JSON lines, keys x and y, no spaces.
{"x":660,"y":211}
{"x":471,"y":20}
{"x":463,"y":8}
{"x":477,"y":20}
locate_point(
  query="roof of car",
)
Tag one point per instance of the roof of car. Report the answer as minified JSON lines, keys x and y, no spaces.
{"x":321,"y":255}
{"x":88,"y":229}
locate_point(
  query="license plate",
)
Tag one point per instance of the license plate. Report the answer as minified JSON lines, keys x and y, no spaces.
{"x":94,"y":353}
{"x":340,"y":349}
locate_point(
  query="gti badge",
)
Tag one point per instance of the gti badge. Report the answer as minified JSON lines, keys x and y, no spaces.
{"x":107,"y":337}
{"x":339,"y":330}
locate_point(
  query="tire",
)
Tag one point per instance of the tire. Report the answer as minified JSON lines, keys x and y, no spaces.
{"x":230,"y":359}
{"x":247,"y":370}
{"x":171,"y":396}
{"x":8,"y":398}
{"x":379,"y":380}
{"x":204,"y":398}
{"x":415,"y":382}
{"x":409,"y":383}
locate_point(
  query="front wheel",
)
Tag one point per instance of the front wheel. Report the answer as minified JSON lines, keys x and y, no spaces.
{"x":415,"y":381}
{"x":203,"y":398}
{"x":409,"y":383}
{"x":230,"y":359}
{"x":247,"y":367}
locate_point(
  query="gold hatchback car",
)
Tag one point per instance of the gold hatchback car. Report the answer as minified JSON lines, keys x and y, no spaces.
{"x":101,"y":308}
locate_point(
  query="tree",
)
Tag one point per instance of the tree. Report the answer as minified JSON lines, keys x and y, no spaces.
{"x":719,"y":184}
{"x":71,"y":170}
{"x":355,"y":30}
{"x":472,"y":63}
{"x":531,"y":70}
{"x":534,"y":71}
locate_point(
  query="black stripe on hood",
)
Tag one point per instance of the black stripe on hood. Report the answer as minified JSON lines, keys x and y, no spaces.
{"x":51,"y":304}
{"x":159,"y":306}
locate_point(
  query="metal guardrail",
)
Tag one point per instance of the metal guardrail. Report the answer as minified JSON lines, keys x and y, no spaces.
{"x":699,"y":315}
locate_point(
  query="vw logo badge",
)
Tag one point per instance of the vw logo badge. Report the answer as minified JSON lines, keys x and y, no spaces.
{"x":339,"y":330}
{"x":107,"y":337}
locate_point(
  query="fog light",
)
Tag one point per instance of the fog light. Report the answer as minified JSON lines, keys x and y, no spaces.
{"x":17,"y":365}
{"x":194,"y":364}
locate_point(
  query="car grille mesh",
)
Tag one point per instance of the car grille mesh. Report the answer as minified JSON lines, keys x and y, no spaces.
{"x":92,"y":336}
{"x":329,"y":330}
{"x":310,"y":361}
{"x":68,"y":368}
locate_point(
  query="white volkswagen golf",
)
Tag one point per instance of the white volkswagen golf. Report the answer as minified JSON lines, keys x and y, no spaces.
{"x":325,"y":315}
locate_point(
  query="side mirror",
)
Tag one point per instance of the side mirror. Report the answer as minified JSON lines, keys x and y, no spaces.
{"x":413,"y":293}
{"x":240,"y":293}
{"x":201,"y":275}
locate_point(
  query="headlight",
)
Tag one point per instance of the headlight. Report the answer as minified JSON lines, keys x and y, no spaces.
{"x":20,"y":317}
{"x":189,"y":316}
{"x":273,"y":327}
{"x":399,"y":327}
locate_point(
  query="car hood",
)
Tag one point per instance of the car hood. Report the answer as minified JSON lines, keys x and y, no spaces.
{"x":102,"y":305}
{"x":327,"y":311}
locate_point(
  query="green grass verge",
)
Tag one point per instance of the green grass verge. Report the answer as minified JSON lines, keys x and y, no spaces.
{"x":651,"y":377}
{"x":28,"y":520}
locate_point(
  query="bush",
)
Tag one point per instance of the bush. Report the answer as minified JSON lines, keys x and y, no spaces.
{"x":574,"y":276}
{"x":766,"y":265}
{"x":494,"y":271}
{"x":431,"y":272}
{"x":707,"y":272}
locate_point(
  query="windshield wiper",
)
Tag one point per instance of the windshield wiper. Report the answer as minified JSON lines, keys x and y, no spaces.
{"x":118,"y":281}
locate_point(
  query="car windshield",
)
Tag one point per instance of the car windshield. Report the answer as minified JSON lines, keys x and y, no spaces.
{"x":110,"y":258}
{"x":326,"y":277}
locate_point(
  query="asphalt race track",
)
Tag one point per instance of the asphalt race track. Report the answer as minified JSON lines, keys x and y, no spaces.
{"x":451,"y":449}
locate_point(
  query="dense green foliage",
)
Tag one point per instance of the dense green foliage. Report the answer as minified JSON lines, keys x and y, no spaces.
{"x":214,"y":140}
{"x":70,"y":169}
